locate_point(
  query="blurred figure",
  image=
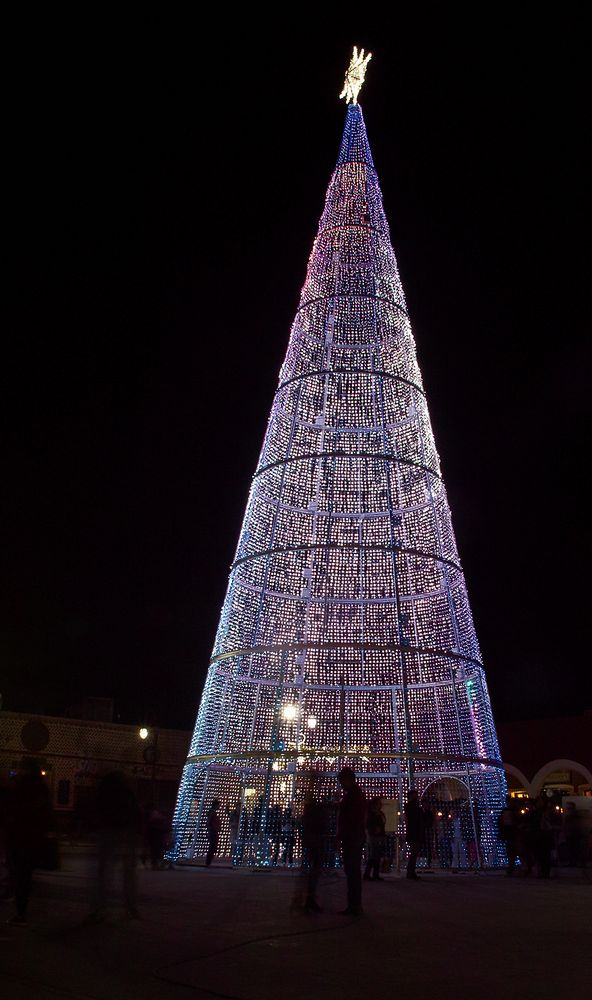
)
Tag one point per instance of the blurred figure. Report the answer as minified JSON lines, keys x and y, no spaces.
{"x":507,"y":829}
{"x":157,"y":830}
{"x":444,"y":836}
{"x":414,"y":831}
{"x":119,"y":822}
{"x":573,"y":835}
{"x":351,"y":830}
{"x":525,"y":835}
{"x":474,"y":837}
{"x":27,"y":822}
{"x":213,"y":826}
{"x":375,"y":825}
{"x":545,"y":838}
{"x":458,"y":847}
{"x":273,"y":826}
{"x":315,"y":827}
{"x":233,"y":823}
{"x":288,"y":835}
{"x":428,"y":833}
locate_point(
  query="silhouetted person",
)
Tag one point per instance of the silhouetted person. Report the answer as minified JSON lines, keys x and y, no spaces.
{"x":474,"y":837}
{"x":233,"y":823}
{"x":119,"y":823}
{"x":28,"y":818}
{"x":458,"y":849}
{"x":288,"y":835}
{"x":273,"y":827}
{"x":414,"y":831}
{"x":213,"y":825}
{"x":376,"y":827}
{"x":544,"y":836}
{"x":258,"y":840}
{"x":351,"y":830}
{"x":428,"y":834}
{"x":573,"y":835}
{"x":315,"y":828}
{"x":508,"y":832}
{"x":157,"y":829}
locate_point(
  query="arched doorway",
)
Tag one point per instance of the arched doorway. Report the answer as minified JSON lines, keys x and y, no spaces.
{"x":562,"y":777}
{"x":451,"y":825}
{"x":517,"y":782}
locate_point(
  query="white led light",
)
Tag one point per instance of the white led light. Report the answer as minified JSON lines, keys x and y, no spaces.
{"x":355,"y":76}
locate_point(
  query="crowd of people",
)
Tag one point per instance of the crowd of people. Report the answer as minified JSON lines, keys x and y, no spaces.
{"x":536,"y":834}
{"x":327,"y":833}
{"x":123,"y":832}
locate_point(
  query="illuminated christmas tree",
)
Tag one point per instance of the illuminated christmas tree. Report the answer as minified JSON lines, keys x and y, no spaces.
{"x":346,"y":634}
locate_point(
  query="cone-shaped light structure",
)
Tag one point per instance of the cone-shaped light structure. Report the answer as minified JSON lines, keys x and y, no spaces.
{"x":346,"y":634}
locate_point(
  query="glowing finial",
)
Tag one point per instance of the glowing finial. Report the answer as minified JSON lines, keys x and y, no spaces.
{"x":354,"y":78}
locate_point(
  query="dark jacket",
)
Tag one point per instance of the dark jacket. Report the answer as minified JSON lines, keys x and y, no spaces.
{"x":351,"y":822}
{"x":375,"y":824}
{"x":213,"y":823}
{"x":315,"y":822}
{"x":414,"y":820}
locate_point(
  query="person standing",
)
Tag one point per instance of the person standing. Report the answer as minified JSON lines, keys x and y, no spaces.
{"x":458,"y":851}
{"x":157,"y":829}
{"x":315,"y":822}
{"x":508,"y":831}
{"x":428,"y":833}
{"x":375,"y":825}
{"x":573,"y":835}
{"x":233,"y":823}
{"x":28,"y":816}
{"x":545,"y":837}
{"x":213,"y":825}
{"x":414,"y":824}
{"x":351,"y":830}
{"x":288,"y":836}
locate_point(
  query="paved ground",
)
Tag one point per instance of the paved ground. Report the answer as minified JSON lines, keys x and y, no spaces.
{"x":231,"y":934}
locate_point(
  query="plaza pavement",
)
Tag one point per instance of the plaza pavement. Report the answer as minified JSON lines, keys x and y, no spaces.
{"x":232,"y":934}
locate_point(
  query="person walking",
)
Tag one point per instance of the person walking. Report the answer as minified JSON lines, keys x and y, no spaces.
{"x":28,"y":817}
{"x":351,"y":830}
{"x":375,"y":825}
{"x":214,"y":826}
{"x":119,"y":822}
{"x":414,"y":831}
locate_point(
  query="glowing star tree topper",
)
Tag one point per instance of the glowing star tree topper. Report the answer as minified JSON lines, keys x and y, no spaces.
{"x":355,"y":76}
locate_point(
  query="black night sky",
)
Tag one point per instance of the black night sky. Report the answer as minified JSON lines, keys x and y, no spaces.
{"x":164,"y":190}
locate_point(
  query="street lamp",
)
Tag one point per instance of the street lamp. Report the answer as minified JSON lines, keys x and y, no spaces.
{"x":151,"y":756}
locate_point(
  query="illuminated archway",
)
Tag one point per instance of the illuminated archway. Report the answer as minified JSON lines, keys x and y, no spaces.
{"x":558,"y":765}
{"x":520,"y":777}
